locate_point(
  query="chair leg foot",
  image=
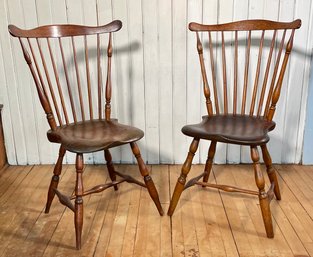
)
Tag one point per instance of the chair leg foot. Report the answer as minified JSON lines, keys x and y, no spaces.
{"x":271,"y":172}
{"x":263,"y":197}
{"x":147,"y":178}
{"x":110,"y":167}
{"x":55,"y":179}
{"x":266,"y":214}
{"x":179,"y":188}
{"x":78,"y":220}
{"x":79,"y":211}
{"x":209,"y":162}
{"x":153,"y":193}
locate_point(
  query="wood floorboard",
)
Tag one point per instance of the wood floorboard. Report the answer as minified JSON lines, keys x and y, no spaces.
{"x":206,"y":223}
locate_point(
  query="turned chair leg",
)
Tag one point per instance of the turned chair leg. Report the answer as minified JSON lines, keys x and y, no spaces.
{"x":271,"y":171}
{"x":263,"y":197}
{"x":55,"y":179}
{"x":209,"y":162}
{"x":110,"y":167}
{"x":79,"y":189}
{"x":182,"y":179}
{"x":148,"y":180}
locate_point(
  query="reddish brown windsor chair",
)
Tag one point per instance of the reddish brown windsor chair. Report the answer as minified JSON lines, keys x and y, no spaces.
{"x":79,"y":127}
{"x":239,"y":127}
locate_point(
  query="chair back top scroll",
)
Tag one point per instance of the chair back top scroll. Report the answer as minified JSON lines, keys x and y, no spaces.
{"x":248,"y":60}
{"x":64,"y":61}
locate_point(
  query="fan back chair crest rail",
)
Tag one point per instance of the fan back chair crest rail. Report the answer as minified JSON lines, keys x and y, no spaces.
{"x":69,"y":102}
{"x":229,"y":120}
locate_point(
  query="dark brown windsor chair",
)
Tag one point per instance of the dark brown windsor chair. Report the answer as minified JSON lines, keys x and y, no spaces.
{"x":234,"y":125}
{"x":75,"y":124}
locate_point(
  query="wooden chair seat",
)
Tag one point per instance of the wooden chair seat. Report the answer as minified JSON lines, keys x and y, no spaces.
{"x":94,"y":135}
{"x":234,"y":129}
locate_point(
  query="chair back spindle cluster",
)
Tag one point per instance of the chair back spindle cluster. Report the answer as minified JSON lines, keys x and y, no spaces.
{"x":56,"y":63}
{"x":260,"y":86}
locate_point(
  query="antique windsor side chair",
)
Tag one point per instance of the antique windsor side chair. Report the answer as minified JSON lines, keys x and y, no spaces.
{"x":78,"y":121}
{"x":235,"y":125}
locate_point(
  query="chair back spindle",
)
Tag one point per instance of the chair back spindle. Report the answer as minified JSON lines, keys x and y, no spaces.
{"x":54,"y":58}
{"x":40,"y":89}
{"x":235,"y":74}
{"x":108,"y":87}
{"x":262,"y":67}
{"x":206,"y":89}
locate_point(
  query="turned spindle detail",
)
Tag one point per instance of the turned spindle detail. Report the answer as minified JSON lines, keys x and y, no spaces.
{"x":79,"y":190}
{"x":209,"y":161}
{"x":263,"y":197}
{"x":55,"y":179}
{"x":271,"y":171}
{"x":110,"y":167}
{"x":182,"y":178}
{"x":147,"y":179}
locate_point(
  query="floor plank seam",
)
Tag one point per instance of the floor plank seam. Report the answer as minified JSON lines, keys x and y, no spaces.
{"x":279,"y":204}
{"x":229,"y":225}
{"x":123,"y":223}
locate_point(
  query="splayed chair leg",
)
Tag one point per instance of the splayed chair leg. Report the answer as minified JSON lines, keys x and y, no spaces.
{"x":79,"y":189}
{"x":263,"y":197}
{"x":271,"y":171}
{"x":209,"y":161}
{"x":182,"y":178}
{"x":147,"y":178}
{"x":55,"y":179}
{"x":110,"y":167}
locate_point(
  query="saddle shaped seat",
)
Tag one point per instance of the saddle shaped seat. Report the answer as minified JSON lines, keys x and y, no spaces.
{"x":94,"y":135}
{"x":234,"y":129}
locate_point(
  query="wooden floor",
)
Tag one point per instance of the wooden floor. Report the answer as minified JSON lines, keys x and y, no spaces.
{"x":126,"y":223}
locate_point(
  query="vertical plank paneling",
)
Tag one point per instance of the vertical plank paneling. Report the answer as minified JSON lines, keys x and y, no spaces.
{"x":156,"y":79}
{"x":136,"y":78}
{"x":194,"y":79}
{"x":165,"y":81}
{"x":179,"y":30}
{"x":308,"y":133}
{"x":6,"y":114}
{"x":24,"y":85}
{"x":122,"y":59}
{"x":11,"y":84}
{"x":306,"y":84}
{"x":151,"y":68}
{"x":307,"y":138}
{"x":294,"y":94}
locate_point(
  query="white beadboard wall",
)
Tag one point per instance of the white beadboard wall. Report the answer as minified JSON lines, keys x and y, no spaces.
{"x":156,"y":75}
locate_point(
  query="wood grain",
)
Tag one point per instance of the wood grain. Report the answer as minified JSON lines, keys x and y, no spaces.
{"x":219,"y":224}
